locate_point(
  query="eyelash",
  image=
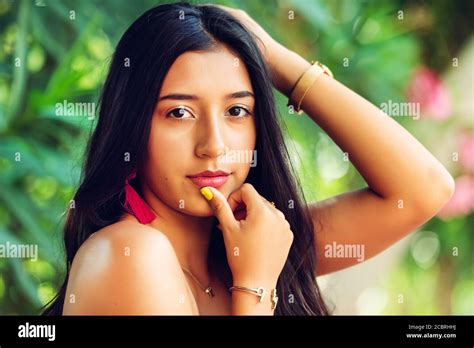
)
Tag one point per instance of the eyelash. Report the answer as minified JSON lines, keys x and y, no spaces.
{"x":168,"y":115}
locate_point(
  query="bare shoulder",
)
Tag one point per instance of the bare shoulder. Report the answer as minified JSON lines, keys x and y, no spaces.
{"x":127,"y":268}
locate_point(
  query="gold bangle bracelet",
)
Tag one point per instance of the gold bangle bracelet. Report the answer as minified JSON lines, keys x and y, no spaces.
{"x":304,"y":83}
{"x":260,"y":292}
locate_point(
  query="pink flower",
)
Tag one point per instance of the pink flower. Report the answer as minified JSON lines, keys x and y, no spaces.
{"x":466,"y":156}
{"x":462,"y":201}
{"x":427,"y":89}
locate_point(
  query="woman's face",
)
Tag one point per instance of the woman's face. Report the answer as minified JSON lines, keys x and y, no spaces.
{"x":203,"y":121}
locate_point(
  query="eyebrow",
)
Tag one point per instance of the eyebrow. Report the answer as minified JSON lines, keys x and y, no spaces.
{"x":178,"y":96}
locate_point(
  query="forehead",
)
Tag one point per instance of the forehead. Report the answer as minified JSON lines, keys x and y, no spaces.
{"x":217,"y":72}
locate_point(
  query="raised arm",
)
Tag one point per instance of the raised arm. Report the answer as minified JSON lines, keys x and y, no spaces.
{"x":407,"y":185}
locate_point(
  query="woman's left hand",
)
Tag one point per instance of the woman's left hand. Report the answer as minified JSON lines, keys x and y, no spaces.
{"x":267,"y":45}
{"x":285,"y":65}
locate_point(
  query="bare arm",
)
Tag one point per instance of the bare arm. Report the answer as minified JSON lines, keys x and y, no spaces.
{"x":131,"y":269}
{"x":407,"y":184}
{"x":127,"y":269}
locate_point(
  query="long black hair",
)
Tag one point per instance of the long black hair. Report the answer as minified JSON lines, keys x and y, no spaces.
{"x":142,"y":58}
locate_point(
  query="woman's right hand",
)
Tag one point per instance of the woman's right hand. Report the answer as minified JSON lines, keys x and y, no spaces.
{"x":257,"y":246}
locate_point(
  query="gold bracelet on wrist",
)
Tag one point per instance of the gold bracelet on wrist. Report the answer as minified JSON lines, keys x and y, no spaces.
{"x":260,"y":292}
{"x":304,"y":83}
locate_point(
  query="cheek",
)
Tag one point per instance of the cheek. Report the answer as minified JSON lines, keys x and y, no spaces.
{"x":244,"y":154}
{"x":167,"y":153}
{"x":165,"y":168}
{"x":241,"y":137}
{"x":172,"y":156}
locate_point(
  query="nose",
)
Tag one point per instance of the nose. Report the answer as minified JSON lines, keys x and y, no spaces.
{"x":211,"y":143}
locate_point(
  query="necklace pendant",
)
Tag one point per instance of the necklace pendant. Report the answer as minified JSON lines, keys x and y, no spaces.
{"x":209,"y":291}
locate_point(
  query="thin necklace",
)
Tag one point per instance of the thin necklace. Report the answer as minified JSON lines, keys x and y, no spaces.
{"x":208,"y":290}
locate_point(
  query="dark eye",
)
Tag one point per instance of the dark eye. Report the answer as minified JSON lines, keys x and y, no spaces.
{"x":178,"y":113}
{"x":236,"y":111}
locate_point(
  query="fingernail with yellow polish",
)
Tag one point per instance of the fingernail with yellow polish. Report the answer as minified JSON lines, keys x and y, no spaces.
{"x":207,"y":193}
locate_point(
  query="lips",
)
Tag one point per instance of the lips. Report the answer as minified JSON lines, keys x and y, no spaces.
{"x":210,"y":178}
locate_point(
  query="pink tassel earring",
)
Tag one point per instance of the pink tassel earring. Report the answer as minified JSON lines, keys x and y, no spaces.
{"x":135,"y":204}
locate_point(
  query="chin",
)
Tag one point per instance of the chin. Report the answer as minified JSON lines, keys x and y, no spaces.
{"x":198,"y":209}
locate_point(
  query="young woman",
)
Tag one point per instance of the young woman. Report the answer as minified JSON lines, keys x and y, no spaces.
{"x":163,"y":224}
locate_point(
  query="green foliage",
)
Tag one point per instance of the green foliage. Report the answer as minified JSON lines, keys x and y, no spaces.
{"x":55,"y":51}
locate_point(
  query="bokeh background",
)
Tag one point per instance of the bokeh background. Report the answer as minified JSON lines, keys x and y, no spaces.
{"x":403,"y":51}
